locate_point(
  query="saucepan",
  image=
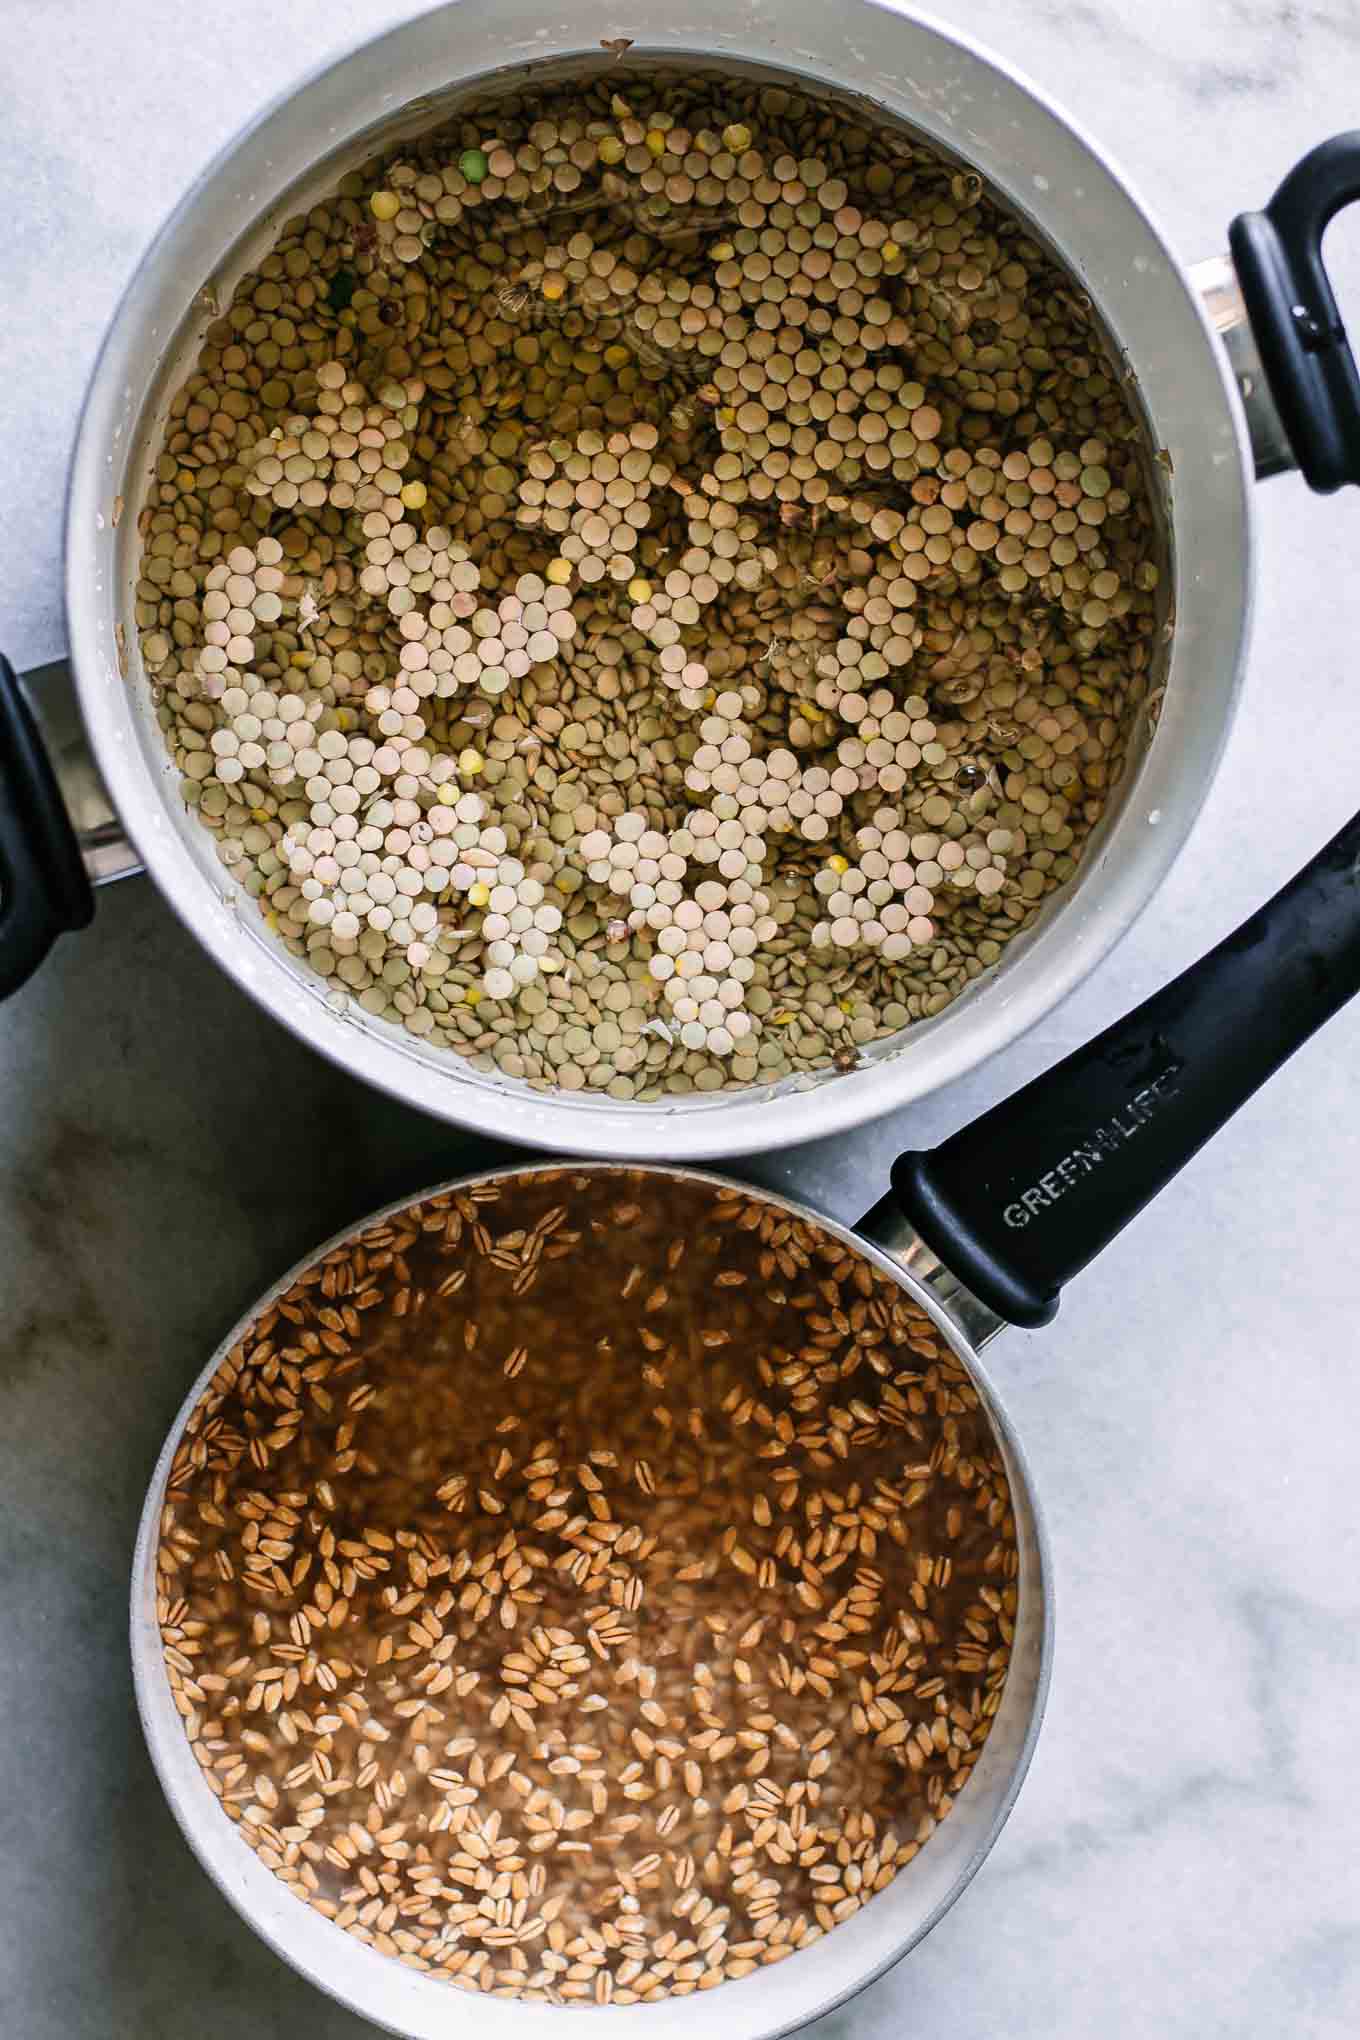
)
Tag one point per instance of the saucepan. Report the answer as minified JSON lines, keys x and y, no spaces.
{"x":981,"y":1232}
{"x":1241,"y":366}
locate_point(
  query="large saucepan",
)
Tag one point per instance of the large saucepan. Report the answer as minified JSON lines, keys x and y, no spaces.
{"x":981,"y":1232}
{"x":1262,"y":327}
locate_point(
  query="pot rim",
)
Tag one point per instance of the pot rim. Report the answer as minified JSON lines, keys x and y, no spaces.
{"x":233,"y":1866}
{"x":1131,"y":860}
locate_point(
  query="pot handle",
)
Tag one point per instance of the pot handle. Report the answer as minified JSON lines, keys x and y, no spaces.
{"x":44,"y":888}
{"x":1293,"y":311}
{"x":1022,"y":1199}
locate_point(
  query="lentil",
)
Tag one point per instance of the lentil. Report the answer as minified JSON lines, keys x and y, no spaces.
{"x":661,"y":453}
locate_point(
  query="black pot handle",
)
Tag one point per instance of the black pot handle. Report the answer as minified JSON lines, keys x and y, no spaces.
{"x":44,"y":889}
{"x":1294,"y":317}
{"x":1023,"y":1198}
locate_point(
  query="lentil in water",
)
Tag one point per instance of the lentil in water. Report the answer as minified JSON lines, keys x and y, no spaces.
{"x":650,"y":586}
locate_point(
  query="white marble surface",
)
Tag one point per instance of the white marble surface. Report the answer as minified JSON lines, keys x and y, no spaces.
{"x":1182,"y":1862}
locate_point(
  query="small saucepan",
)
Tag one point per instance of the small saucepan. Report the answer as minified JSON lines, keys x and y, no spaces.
{"x":981,"y":1232}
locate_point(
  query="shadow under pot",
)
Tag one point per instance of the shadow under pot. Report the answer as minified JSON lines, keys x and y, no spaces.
{"x":1238,"y":366}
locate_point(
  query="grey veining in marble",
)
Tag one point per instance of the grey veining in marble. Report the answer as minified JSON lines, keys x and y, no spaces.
{"x":1182,"y":1863}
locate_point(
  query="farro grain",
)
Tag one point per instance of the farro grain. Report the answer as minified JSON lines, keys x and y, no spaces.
{"x":455,"y":1641}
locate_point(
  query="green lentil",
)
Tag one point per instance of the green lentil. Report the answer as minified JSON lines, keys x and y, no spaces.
{"x":916,"y":484}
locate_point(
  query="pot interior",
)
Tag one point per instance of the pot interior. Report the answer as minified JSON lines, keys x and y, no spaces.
{"x":1070,"y":930}
{"x":774,"y":1997}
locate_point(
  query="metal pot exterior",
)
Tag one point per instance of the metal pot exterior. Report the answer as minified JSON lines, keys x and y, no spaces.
{"x":911,"y":71}
{"x":774,"y":2000}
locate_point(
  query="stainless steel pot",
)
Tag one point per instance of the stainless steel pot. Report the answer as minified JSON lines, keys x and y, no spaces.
{"x":980,"y":1233}
{"x":1190,"y":350}
{"x":773,"y":2000}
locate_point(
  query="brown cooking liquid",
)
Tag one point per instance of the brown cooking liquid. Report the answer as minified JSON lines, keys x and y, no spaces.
{"x":580,"y":1553}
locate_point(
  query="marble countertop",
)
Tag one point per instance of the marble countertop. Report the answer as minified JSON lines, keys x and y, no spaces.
{"x":1182,"y":1860}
